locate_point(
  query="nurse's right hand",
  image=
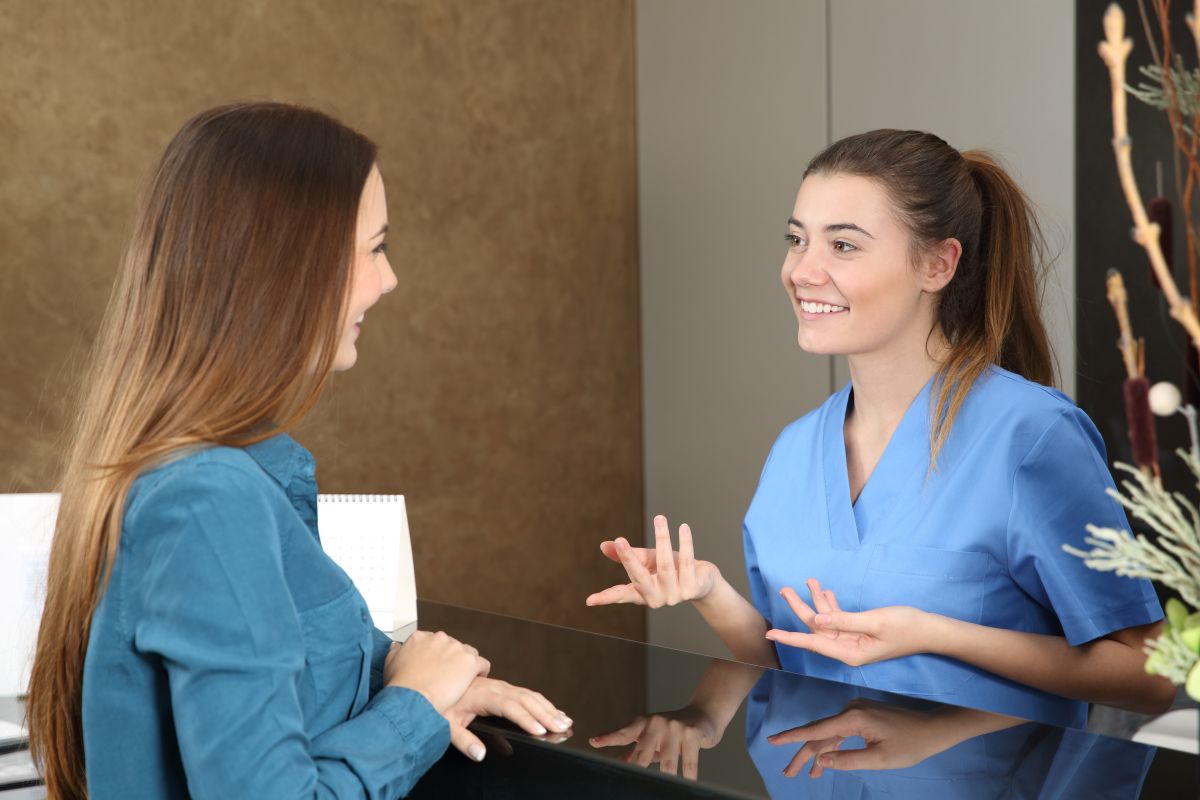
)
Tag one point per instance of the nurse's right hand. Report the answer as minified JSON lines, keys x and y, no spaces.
{"x":436,"y":665}
{"x":659,"y":576}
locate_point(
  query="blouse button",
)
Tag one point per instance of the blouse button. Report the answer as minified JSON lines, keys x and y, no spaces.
{"x":363,"y":613}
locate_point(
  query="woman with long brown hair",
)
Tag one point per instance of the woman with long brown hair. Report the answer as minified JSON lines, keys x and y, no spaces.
{"x":928,"y":500}
{"x":196,"y":640}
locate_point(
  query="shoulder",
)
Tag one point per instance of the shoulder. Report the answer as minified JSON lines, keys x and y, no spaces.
{"x":807,"y":428}
{"x":1019,"y":397}
{"x":1026,"y":411}
{"x":1037,"y":422}
{"x":218,"y":484}
{"x":799,"y":442}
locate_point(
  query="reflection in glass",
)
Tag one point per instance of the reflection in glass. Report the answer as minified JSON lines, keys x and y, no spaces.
{"x":813,"y":738}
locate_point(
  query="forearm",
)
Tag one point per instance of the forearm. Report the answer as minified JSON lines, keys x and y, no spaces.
{"x":738,"y":624}
{"x":1102,"y":671}
{"x":723,"y":688}
{"x":959,"y":724}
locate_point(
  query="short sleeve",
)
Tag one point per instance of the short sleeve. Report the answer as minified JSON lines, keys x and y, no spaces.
{"x":1059,"y":488}
{"x":217,"y":610}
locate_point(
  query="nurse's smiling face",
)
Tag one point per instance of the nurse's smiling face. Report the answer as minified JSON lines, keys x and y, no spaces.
{"x":849,"y":272}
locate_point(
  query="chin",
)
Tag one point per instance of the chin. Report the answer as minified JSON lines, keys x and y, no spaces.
{"x":344,"y":361}
{"x":817,"y":348}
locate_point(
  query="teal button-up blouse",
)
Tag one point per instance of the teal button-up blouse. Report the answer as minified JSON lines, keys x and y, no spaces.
{"x":230,"y":657}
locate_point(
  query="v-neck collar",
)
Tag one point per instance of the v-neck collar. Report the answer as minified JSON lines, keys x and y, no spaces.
{"x":902,"y":466}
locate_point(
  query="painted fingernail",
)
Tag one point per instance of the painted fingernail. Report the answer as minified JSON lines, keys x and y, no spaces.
{"x":539,"y":730}
{"x":824,"y":619}
{"x":477,"y":752}
{"x":565,"y":721}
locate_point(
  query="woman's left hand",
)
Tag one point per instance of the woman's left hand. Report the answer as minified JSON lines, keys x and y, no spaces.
{"x":854,"y":638}
{"x":488,"y":697}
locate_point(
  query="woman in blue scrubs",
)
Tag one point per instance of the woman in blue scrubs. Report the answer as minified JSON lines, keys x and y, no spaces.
{"x":924,"y":506}
{"x":196,"y":640}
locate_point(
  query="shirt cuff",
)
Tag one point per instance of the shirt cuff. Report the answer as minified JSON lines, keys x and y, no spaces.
{"x":415,"y":720}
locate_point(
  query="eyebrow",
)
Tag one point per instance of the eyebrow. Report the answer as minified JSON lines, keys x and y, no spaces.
{"x":382,"y":231}
{"x":837,"y":226}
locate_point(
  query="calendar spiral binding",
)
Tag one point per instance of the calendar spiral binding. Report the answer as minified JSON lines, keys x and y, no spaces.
{"x":360,"y":498}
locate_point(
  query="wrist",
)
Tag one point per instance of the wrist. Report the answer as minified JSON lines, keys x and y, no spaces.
{"x":937,"y":634}
{"x":717,"y":595}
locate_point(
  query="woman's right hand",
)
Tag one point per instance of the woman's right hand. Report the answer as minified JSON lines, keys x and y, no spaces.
{"x":436,"y":665}
{"x":660,"y":576}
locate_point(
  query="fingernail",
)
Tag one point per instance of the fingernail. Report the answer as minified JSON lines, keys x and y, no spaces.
{"x":477,"y":752}
{"x":539,"y":730}
{"x":825,"y":761}
{"x":823,"y":619}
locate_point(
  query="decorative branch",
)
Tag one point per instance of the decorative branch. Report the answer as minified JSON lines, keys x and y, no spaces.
{"x":1115,"y":52}
{"x":1118,"y":298}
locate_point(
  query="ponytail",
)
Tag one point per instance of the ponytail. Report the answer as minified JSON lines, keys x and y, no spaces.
{"x":1004,"y":323}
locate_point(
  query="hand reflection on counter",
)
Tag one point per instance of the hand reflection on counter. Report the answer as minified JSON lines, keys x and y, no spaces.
{"x":894,"y":737}
{"x":674,"y":739}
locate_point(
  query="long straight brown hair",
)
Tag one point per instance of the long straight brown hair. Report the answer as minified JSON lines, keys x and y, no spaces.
{"x":990,"y":312}
{"x":221,"y":329}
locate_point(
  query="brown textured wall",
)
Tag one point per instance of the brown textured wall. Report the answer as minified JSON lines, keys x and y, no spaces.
{"x":499,"y":387}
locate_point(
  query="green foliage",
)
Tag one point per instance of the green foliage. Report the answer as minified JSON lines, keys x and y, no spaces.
{"x":1175,"y":654}
{"x":1155,"y":95}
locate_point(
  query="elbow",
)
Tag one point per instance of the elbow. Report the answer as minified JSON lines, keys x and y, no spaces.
{"x":1165,"y":693}
{"x":1157,"y":697}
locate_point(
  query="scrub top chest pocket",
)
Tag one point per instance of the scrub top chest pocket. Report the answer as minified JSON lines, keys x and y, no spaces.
{"x":948,"y":582}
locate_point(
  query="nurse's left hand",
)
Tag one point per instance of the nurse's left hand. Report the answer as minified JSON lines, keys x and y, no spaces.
{"x":854,"y":638}
{"x":488,"y":697}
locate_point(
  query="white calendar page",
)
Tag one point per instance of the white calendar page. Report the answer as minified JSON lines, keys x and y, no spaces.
{"x":26,"y":528}
{"x":367,"y":535}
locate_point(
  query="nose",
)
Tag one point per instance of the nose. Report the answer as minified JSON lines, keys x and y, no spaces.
{"x":387,"y":277}
{"x":804,"y":269}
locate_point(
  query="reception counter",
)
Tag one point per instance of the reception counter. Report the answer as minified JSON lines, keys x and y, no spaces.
{"x":651,"y":722}
{"x":721,"y":713}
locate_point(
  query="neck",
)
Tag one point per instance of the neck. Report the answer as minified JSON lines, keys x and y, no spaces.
{"x":885,"y":382}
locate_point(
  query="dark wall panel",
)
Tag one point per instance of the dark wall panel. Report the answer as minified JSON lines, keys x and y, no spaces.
{"x":1103,"y":225}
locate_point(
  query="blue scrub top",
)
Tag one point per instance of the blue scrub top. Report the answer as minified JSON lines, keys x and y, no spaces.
{"x":1022,"y":472}
{"x":230,"y":657}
